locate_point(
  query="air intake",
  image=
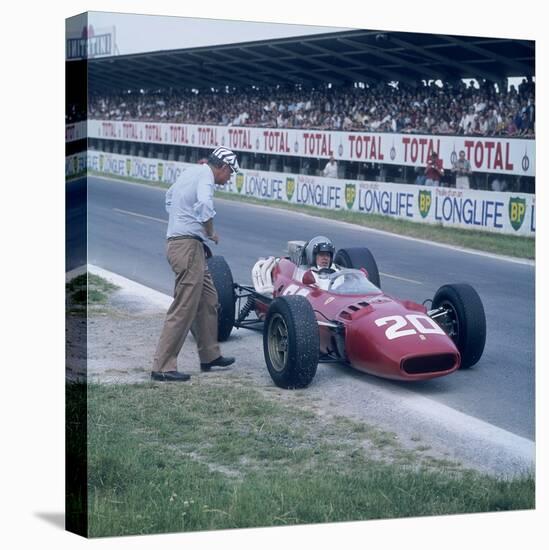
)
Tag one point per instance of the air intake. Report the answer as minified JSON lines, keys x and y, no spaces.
{"x":347,"y":313}
{"x":429,"y":363}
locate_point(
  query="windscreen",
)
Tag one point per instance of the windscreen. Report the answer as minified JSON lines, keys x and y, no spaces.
{"x":351,"y":281}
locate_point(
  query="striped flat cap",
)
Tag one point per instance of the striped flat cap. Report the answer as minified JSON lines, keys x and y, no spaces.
{"x":227,"y":156}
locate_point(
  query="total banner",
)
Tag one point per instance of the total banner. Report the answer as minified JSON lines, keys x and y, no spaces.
{"x":75,"y":131}
{"x":511,"y":213}
{"x":486,"y":154}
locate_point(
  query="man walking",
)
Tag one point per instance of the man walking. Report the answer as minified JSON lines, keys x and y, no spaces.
{"x":189,"y":203}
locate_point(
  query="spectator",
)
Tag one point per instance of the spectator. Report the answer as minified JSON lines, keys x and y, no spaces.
{"x":502,"y":125}
{"x":402,"y":108}
{"x":481,"y":126}
{"x":462,"y":170}
{"x":492,"y":122}
{"x":511,"y":128}
{"x":420,"y":176}
{"x":330,"y":170}
{"x":434,"y":171}
{"x":499,"y":184}
{"x":467,"y":123}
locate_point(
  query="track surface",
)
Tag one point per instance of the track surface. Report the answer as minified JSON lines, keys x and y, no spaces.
{"x":126,"y":235}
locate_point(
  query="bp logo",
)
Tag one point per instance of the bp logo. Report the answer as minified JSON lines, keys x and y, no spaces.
{"x":101,"y":162}
{"x":517,"y":212}
{"x":290,"y":188}
{"x":424,"y":203}
{"x":350,"y":194}
{"x":239,"y":182}
{"x":128,"y":166}
{"x":160,"y":171}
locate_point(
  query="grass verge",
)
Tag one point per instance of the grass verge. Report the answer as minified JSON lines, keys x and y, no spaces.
{"x":87,"y":290}
{"x":204,"y":455}
{"x":508,"y":245}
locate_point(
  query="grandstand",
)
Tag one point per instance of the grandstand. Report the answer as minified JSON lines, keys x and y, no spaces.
{"x":443,"y":108}
{"x":374,"y":82}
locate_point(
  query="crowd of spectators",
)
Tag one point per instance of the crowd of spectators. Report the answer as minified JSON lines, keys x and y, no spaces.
{"x":453,"y":108}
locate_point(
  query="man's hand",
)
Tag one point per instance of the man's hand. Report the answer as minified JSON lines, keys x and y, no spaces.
{"x":210,"y":232}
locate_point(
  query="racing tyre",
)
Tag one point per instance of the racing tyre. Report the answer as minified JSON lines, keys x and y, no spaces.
{"x":291,"y":342}
{"x":355,"y":258}
{"x":223,"y":281}
{"x":465,"y":320}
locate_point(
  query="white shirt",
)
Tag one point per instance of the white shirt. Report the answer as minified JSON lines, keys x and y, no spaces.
{"x":467,"y":123}
{"x":189,"y":202}
{"x":330,"y":170}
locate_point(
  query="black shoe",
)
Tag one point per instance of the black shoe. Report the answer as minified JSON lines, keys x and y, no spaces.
{"x":219,"y":362}
{"x":170,"y":376}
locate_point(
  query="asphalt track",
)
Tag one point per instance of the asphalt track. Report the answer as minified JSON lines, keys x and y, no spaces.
{"x":126,"y":235}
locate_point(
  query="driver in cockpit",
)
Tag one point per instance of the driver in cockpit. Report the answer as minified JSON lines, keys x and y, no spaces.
{"x":319,"y":256}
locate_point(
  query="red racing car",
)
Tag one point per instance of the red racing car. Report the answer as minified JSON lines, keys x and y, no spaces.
{"x":341,"y":314}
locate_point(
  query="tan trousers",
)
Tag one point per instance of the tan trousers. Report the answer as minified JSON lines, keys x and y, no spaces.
{"x":194,"y":307}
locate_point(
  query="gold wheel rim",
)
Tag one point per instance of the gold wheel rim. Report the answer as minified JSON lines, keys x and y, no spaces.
{"x":277,"y":342}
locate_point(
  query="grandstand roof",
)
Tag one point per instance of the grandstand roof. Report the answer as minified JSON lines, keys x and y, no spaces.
{"x":339,"y":58}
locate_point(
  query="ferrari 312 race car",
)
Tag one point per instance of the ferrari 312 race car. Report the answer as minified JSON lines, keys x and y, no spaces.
{"x":343,"y":315}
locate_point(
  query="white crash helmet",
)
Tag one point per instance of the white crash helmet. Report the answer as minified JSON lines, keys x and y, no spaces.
{"x":316,"y":245}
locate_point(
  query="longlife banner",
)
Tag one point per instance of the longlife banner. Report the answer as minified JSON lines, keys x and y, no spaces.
{"x":511,"y":213}
{"x":491,"y":155}
{"x":75,"y":165}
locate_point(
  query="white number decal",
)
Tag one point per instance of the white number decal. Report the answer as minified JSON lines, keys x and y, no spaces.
{"x":418,"y":322}
{"x":397,"y":329}
{"x":294,"y":289}
{"x":290,"y":289}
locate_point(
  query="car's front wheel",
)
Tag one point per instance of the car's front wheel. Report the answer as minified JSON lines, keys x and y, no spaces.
{"x":463,"y":320}
{"x":291,"y":342}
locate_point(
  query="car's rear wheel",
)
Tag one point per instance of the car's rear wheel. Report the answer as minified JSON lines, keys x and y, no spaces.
{"x":464,"y":320}
{"x":356,"y":258}
{"x":291,"y":342}
{"x":223,"y":281}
